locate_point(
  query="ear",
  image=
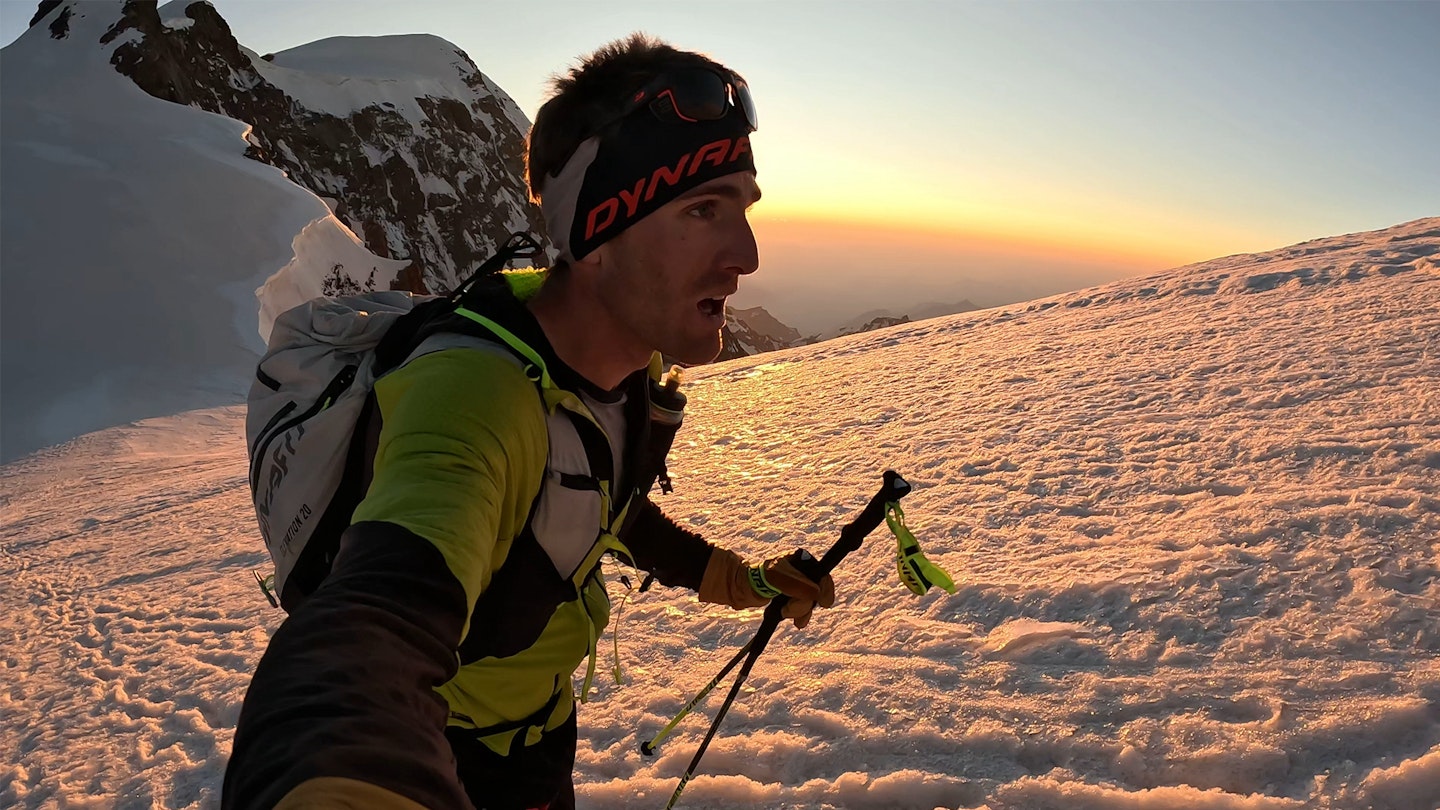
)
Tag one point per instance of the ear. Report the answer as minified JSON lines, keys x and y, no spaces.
{"x":592,"y":261}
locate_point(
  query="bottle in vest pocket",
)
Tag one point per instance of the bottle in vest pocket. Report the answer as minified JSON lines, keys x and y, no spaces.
{"x":667,"y":412}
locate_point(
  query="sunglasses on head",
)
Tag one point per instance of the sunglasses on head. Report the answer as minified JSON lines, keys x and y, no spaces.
{"x":690,"y":95}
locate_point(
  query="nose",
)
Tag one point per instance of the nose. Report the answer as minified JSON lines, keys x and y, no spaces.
{"x":745,"y":252}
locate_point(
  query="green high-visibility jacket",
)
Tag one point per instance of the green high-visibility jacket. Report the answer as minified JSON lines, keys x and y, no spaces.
{"x":467,"y":590}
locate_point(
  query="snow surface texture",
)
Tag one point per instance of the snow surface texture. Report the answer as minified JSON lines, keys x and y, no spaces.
{"x":1192,"y":518}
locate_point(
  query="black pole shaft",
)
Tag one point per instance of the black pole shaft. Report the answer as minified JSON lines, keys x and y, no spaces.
{"x":851,"y":537}
{"x":648,"y":748}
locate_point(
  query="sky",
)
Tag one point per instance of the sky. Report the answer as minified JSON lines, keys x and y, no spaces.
{"x":1192,"y":537}
{"x":1076,"y":142}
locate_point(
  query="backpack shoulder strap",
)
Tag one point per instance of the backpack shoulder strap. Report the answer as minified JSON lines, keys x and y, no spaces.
{"x":433,"y":316}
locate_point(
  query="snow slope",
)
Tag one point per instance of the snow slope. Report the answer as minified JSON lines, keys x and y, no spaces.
{"x":135,"y":235}
{"x":136,"y":232}
{"x":1192,"y":519}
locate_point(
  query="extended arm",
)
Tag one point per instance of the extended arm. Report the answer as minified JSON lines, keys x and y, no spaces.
{"x":679,"y":557}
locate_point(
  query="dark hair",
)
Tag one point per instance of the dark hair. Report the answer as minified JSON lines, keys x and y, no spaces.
{"x":592,"y":92}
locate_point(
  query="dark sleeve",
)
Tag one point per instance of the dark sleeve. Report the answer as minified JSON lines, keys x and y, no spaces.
{"x":677,"y":557}
{"x":346,"y":687}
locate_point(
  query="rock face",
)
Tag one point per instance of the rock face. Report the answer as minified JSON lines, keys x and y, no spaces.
{"x":433,"y":178}
{"x":877,"y":323}
{"x":752,"y":331}
{"x":881,"y":318}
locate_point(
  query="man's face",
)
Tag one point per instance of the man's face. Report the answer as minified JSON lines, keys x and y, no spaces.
{"x":666,"y":278}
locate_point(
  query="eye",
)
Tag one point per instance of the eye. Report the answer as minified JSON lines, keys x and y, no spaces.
{"x":703,"y":210}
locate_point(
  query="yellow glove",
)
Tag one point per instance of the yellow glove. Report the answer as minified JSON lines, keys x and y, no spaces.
{"x":729,"y":581}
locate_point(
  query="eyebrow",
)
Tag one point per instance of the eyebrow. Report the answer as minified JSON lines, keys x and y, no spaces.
{"x":727,"y":191}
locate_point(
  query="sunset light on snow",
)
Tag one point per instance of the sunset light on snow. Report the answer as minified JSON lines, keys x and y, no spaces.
{"x":1139,"y":298}
{"x":1191,"y":518}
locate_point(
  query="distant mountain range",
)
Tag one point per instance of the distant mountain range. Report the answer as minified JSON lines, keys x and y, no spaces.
{"x":754,"y":330}
{"x":880,"y":318}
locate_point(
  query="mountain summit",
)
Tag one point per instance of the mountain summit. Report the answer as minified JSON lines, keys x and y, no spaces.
{"x":158,"y":173}
{"x":421,"y":155}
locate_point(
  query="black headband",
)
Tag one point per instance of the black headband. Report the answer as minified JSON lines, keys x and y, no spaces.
{"x":611,"y":183}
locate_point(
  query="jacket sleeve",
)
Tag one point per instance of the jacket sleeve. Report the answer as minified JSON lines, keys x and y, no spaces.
{"x":676,"y":556}
{"x":345,"y":691}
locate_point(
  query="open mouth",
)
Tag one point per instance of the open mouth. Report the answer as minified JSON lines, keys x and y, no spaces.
{"x":712,"y":308}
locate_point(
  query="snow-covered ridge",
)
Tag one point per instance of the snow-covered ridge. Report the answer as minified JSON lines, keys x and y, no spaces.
{"x":1194,"y":537}
{"x":422,"y":154}
{"x":343,"y":75}
{"x":414,"y":65}
{"x":1405,"y":249}
{"x":1409,"y":247}
{"x":422,"y":57}
{"x":135,"y":232}
{"x":156,"y":177}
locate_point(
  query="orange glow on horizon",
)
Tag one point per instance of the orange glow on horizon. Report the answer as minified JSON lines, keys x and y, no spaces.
{"x":1019,"y":240}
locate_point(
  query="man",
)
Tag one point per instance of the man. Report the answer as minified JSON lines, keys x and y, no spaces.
{"x":433,"y":666}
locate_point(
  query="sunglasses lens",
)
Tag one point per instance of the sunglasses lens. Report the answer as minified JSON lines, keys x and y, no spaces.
{"x":693,"y":95}
{"x":699,"y":95}
{"x":744,"y":101}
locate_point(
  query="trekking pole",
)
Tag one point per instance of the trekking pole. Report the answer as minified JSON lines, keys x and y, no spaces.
{"x":851,"y":536}
{"x":648,"y":748}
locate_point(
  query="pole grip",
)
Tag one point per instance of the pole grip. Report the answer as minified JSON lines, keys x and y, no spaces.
{"x":892,"y":489}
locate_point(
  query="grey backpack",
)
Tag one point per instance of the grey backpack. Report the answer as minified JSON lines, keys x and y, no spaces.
{"x":308,"y":459}
{"x":303,"y":409}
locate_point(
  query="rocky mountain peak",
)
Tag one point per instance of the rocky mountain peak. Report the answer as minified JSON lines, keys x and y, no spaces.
{"x":437,"y":180}
{"x":60,"y":26}
{"x":752,"y":331}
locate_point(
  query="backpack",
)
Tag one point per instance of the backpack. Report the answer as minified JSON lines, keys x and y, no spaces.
{"x":308,"y":420}
{"x":308,"y":404}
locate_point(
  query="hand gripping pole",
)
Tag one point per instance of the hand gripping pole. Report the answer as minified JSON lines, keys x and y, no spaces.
{"x":892,"y":490}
